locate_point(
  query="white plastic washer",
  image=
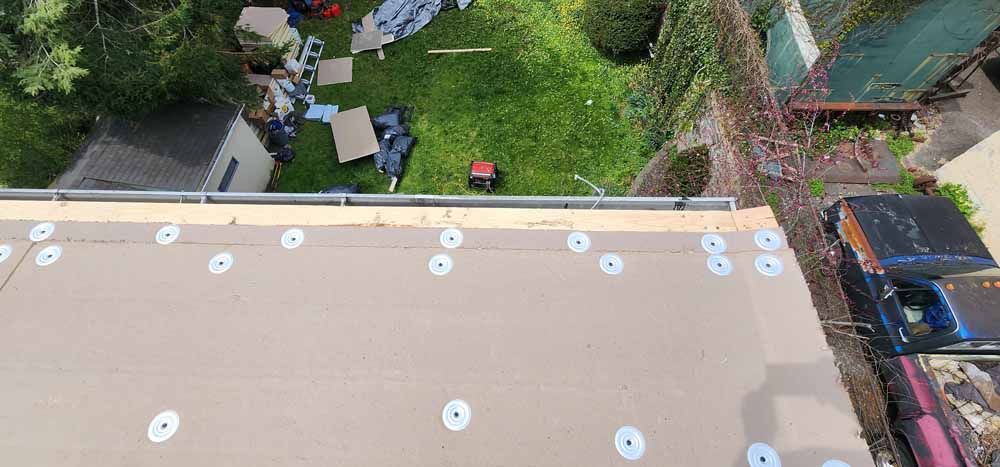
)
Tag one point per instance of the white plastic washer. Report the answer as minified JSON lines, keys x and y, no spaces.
{"x":578,"y":242}
{"x":440,"y":264}
{"x":48,"y":255}
{"x":5,"y":252}
{"x":221,"y":263}
{"x":451,"y":238}
{"x":612,"y":264}
{"x":720,"y":265}
{"x":41,"y":231}
{"x":836,"y":463}
{"x":167,"y":234}
{"x":163,"y":426}
{"x":768,"y":265}
{"x":456,"y":415}
{"x":713,"y":244}
{"x":762,"y":455}
{"x":767,"y":239}
{"x":292,"y":238}
{"x":630,"y":443}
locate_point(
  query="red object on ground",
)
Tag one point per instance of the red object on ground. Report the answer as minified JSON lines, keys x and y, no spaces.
{"x":317,"y":3}
{"x":483,"y":175}
{"x":333,"y":11}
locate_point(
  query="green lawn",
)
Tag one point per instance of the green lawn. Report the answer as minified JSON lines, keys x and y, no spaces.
{"x":522,"y":105}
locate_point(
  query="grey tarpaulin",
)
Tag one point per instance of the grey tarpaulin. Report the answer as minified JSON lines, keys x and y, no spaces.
{"x":404,"y":17}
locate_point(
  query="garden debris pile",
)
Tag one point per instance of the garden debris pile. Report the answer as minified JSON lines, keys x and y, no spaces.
{"x":394,"y":140}
{"x":972,"y":393}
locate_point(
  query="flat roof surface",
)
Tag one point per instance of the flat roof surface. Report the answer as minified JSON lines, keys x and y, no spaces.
{"x":170,"y":149}
{"x":346,"y":349}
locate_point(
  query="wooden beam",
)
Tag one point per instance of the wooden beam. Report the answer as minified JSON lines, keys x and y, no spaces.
{"x":430,"y":217}
{"x":856,"y":106}
{"x":457,"y":51}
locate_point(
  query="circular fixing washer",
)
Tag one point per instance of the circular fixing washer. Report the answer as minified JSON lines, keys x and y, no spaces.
{"x":578,"y":242}
{"x":440,"y":264}
{"x":168,"y":234}
{"x":612,"y":264}
{"x":768,"y":265}
{"x":630,"y":443}
{"x":836,"y":463}
{"x":48,"y":255}
{"x":762,"y":455}
{"x":713,"y":244}
{"x":41,"y":231}
{"x":163,"y":426}
{"x":451,"y":238}
{"x":221,"y":263}
{"x":767,"y":239}
{"x":720,"y":265}
{"x":292,"y":238}
{"x":456,"y":415}
{"x":5,"y":252}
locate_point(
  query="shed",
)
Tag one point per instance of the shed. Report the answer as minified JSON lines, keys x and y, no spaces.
{"x":181,"y":147}
{"x":894,"y":59}
{"x":294,"y":335}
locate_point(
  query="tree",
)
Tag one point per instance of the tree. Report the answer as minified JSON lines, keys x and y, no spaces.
{"x":123,"y":57}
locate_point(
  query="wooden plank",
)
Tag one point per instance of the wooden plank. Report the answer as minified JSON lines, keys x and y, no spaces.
{"x":456,"y":51}
{"x":856,"y":106}
{"x":755,"y":218}
{"x":493,"y":218}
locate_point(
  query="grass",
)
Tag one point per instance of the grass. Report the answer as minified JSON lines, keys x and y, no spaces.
{"x":816,"y":188}
{"x":522,"y":105}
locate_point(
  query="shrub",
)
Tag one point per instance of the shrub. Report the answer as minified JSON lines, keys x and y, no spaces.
{"x":620,"y":26}
{"x":899,"y":145}
{"x":960,"y":196}
{"x":817,"y":188}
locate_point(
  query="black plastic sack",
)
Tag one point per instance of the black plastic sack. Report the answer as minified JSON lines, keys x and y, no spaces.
{"x":394,"y":164}
{"x":278,"y":137}
{"x":285,"y":154}
{"x":382,"y":156}
{"x":398,"y":130}
{"x":404,"y":145}
{"x":342,"y":189}
{"x":389,"y":119}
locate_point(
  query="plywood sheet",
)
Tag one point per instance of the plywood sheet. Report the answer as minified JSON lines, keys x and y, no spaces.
{"x":335,"y":71}
{"x":368,"y":40}
{"x":32,"y":212}
{"x":353,"y":134}
{"x":344,"y":351}
{"x":262,"y":20}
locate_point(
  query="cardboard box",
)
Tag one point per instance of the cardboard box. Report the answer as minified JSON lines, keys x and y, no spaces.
{"x":279,"y":73}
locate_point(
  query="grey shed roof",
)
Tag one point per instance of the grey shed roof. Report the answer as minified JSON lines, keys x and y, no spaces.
{"x":171,"y":149}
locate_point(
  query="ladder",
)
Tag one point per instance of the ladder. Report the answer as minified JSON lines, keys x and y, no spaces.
{"x":309,"y":59}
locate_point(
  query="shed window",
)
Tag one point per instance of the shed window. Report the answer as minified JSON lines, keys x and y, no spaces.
{"x":227,"y":178}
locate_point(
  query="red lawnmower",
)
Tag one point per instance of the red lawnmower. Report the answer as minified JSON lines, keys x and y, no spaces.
{"x":483,"y":175}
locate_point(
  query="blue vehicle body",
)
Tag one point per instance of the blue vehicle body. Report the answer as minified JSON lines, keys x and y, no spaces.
{"x":917,"y":275}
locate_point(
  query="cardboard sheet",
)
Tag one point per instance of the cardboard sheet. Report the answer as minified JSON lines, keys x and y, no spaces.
{"x":353,"y":134}
{"x":335,"y":71}
{"x":345,"y":350}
